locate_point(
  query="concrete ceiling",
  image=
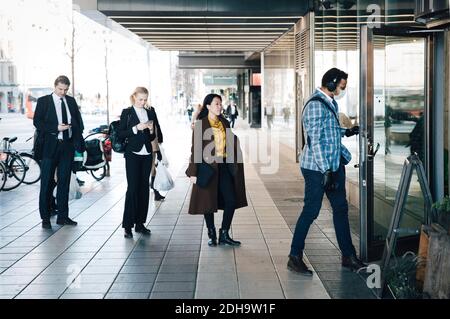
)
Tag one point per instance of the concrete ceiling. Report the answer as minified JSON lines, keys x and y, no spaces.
{"x":206,"y":25}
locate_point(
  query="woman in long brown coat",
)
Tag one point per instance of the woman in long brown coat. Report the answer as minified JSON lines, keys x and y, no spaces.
{"x":216,"y":170}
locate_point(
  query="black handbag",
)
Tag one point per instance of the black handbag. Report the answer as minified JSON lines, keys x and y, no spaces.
{"x":118,"y":144}
{"x":204,"y":174}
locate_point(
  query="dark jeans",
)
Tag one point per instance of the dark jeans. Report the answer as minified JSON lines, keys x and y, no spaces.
{"x":138,"y":169}
{"x":226,"y":191}
{"x":313,"y":201}
{"x":62,"y":160}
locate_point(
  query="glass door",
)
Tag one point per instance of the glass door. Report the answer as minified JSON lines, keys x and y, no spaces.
{"x":393,"y":116}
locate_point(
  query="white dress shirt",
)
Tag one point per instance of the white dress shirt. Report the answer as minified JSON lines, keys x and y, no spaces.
{"x":143,"y":118}
{"x":330,"y":99}
{"x":57,"y":101}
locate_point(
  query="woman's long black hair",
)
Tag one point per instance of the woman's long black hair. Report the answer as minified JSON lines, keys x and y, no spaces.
{"x":207,"y":101}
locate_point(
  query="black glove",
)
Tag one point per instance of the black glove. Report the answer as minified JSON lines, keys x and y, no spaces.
{"x":327,"y":181}
{"x":159,"y":155}
{"x":352,"y":131}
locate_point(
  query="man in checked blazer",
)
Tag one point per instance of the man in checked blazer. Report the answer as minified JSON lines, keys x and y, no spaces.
{"x":322,"y":164}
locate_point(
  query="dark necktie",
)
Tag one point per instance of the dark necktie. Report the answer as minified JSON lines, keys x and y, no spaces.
{"x":64,"y":119}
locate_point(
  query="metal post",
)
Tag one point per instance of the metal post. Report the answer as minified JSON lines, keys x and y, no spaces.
{"x":365,"y":106}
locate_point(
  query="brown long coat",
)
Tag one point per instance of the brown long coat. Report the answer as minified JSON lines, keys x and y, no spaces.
{"x":207,"y":200}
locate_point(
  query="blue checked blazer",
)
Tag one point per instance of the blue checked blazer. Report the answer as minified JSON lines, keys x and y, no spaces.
{"x":324,"y":149}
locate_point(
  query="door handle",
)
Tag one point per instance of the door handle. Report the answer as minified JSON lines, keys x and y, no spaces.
{"x":371,"y":152}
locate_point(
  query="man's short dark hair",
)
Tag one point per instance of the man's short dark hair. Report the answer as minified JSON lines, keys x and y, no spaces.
{"x":62,"y":79}
{"x":332,"y":74}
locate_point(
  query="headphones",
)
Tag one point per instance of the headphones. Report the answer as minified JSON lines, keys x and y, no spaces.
{"x":332,"y":85}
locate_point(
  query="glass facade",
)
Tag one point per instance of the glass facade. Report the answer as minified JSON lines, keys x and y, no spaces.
{"x":399,"y":125}
{"x":279,"y":87}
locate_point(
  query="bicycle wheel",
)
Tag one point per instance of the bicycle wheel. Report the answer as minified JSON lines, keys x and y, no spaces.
{"x":2,"y":175}
{"x":99,"y":173}
{"x":32,"y":167}
{"x":15,"y":171}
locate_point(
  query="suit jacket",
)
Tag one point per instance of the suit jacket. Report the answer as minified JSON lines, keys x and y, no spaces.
{"x":46,"y":122}
{"x":129,"y":119}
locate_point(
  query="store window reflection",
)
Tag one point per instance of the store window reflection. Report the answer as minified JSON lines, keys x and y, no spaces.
{"x":279,"y":88}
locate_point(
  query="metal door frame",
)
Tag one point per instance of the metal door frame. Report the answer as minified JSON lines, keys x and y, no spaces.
{"x":366,"y":111}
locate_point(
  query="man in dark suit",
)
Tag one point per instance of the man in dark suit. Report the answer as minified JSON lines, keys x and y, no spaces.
{"x":58,"y":119}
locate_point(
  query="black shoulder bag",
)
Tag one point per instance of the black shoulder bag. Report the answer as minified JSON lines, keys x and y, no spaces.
{"x":118,"y":145}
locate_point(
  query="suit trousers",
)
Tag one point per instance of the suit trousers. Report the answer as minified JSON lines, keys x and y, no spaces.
{"x":62,"y":159}
{"x":138,"y":169}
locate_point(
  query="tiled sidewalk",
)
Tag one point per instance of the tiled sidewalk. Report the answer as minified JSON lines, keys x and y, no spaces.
{"x":93,"y":260}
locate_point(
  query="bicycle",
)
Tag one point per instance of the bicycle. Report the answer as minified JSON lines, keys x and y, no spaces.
{"x":2,"y":172}
{"x":15,"y":167}
{"x":33,"y":166}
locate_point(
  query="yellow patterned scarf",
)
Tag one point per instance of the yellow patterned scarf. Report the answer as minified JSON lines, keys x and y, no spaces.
{"x":219,"y":136}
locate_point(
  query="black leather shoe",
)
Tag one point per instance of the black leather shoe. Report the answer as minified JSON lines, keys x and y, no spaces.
{"x":225,"y":239}
{"x":158,"y":196}
{"x":142,"y":229}
{"x":46,"y":224}
{"x":212,"y":237}
{"x":296,"y":264}
{"x":353,"y":263}
{"x":66,"y":221}
{"x":128,"y":233}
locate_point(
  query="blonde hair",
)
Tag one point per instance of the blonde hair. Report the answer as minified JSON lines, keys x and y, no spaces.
{"x":138,"y":90}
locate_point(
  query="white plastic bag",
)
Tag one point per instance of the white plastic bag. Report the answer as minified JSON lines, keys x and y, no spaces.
{"x":163,"y":180}
{"x":164,"y":159}
{"x":74,"y":188}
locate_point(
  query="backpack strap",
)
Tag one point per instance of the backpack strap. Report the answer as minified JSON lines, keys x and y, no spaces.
{"x":325,"y":103}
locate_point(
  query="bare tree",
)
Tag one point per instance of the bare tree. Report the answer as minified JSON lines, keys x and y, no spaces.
{"x":71,"y":51}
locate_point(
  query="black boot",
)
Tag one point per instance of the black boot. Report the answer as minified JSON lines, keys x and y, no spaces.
{"x":212,"y":237}
{"x":225,"y":239}
{"x":158,"y":196}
